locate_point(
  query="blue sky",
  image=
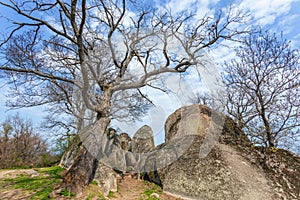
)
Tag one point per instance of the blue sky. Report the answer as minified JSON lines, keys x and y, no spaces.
{"x":274,"y":15}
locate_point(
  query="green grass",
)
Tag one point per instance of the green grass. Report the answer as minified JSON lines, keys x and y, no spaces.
{"x":66,"y":193}
{"x":41,"y":186}
{"x":94,"y":182}
{"x":94,"y":192}
{"x":153,"y":189}
{"x":111,"y":194}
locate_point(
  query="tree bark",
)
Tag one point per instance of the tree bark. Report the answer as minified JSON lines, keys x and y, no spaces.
{"x":81,"y":173}
{"x":83,"y":169}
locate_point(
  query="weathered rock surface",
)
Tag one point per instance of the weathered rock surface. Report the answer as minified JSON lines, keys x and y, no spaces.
{"x":130,"y":160}
{"x":111,"y":156}
{"x":106,"y":178}
{"x":205,"y":156}
{"x":199,"y":161}
{"x":191,"y":120}
{"x":143,"y":140}
{"x":119,"y":147}
{"x":71,"y":153}
{"x":142,"y":144}
{"x":124,"y":141}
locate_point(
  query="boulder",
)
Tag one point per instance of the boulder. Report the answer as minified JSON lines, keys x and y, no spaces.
{"x":199,"y":159}
{"x":111,"y":156}
{"x":130,"y":160}
{"x":143,"y":140}
{"x":106,"y":146}
{"x":124,"y":141}
{"x":113,"y":149}
{"x":142,"y":143}
{"x":71,"y":153}
{"x":191,"y":120}
{"x":106,"y":178}
{"x":117,"y":159}
{"x":233,"y":135}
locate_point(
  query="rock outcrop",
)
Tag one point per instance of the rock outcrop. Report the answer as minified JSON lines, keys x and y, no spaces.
{"x":143,"y":140}
{"x":117,"y":153}
{"x":124,"y":141}
{"x":71,"y":153}
{"x":205,"y":156}
{"x":111,"y":156}
{"x":199,"y":161}
{"x":142,"y":144}
{"x":189,"y":120}
{"x":106,"y":179}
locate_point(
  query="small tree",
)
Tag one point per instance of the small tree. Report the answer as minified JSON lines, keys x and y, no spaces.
{"x":19,"y":144}
{"x":263,"y":88}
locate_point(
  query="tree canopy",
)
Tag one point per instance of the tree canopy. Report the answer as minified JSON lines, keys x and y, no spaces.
{"x":263,"y":88}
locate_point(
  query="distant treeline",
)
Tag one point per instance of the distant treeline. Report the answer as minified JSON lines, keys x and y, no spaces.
{"x":21,"y":146}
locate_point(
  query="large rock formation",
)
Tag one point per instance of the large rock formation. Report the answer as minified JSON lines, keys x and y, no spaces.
{"x":106,"y":179}
{"x":71,"y":153}
{"x":143,"y":140}
{"x":189,"y":120}
{"x":111,"y":156}
{"x":124,"y":141}
{"x":115,"y":154}
{"x":142,"y":144}
{"x":206,"y":156}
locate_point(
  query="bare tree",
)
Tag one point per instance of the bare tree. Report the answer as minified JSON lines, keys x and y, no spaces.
{"x":202,"y":98}
{"x":263,"y":88}
{"x":101,"y":53}
{"x":19,"y":144}
{"x":214,"y":100}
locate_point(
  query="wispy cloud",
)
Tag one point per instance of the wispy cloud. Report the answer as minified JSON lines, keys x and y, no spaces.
{"x":265,"y":12}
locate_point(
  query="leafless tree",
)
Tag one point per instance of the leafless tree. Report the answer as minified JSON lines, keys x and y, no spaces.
{"x":91,"y":58}
{"x":214,"y":100}
{"x":19,"y":144}
{"x":202,"y":98}
{"x":263,"y":88}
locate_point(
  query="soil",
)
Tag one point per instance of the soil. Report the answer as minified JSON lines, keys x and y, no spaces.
{"x":134,"y":189}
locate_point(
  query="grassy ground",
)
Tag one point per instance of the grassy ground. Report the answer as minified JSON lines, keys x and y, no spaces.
{"x":33,"y":185}
{"x":37,"y":184}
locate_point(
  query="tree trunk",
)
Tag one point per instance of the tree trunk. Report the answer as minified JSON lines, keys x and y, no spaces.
{"x":262,"y":111}
{"x":83,"y":169}
{"x":81,"y":173}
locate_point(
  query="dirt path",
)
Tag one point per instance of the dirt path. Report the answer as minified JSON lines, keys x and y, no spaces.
{"x":133,"y":189}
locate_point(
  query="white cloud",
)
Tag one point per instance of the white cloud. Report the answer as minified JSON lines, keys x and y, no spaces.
{"x":127,"y":21}
{"x":297,"y":36}
{"x":201,"y":7}
{"x":177,"y":6}
{"x":288,"y":23}
{"x":265,"y":12}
